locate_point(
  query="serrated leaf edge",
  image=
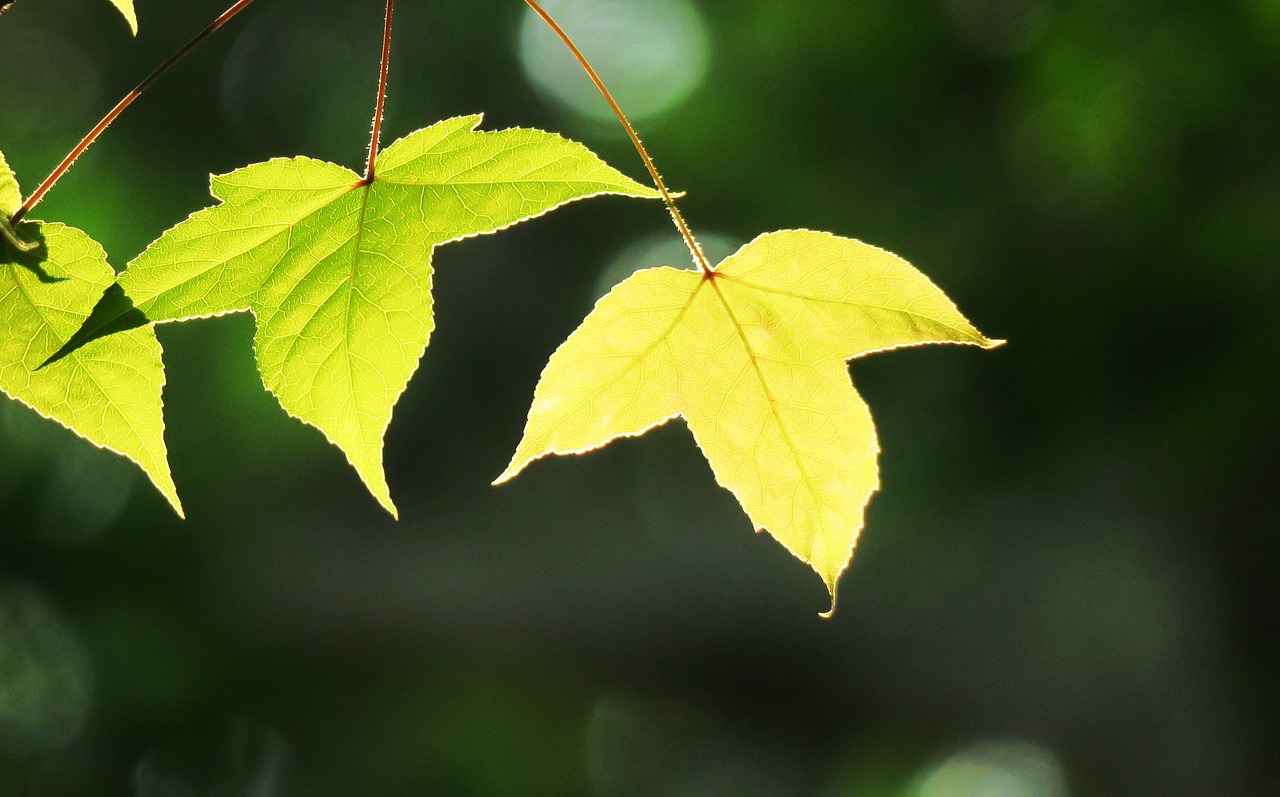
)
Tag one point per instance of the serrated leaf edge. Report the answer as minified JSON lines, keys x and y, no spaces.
{"x":831,"y":583}
{"x":174,"y":501}
{"x":475,"y":120}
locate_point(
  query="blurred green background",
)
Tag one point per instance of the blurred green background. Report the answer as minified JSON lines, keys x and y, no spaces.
{"x":1066,"y":587}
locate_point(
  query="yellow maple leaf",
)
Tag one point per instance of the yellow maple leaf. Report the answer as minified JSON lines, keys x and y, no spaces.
{"x":753,"y":356}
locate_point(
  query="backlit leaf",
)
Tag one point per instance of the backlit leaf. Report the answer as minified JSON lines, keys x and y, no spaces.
{"x":108,"y":391}
{"x":10,"y":193}
{"x":126,"y":8}
{"x":337,"y":271}
{"x":753,"y":358}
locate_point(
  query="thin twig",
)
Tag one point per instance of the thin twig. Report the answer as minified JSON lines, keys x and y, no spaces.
{"x":98,"y":129}
{"x":695,"y":248}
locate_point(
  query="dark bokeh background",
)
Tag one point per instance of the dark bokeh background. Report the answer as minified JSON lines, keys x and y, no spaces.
{"x":1066,"y":587}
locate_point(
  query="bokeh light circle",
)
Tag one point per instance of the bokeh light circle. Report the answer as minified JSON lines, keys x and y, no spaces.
{"x":996,"y":768}
{"x":54,"y":84}
{"x":652,"y":54}
{"x":46,"y":684}
{"x":79,"y":490}
{"x":297,"y":79}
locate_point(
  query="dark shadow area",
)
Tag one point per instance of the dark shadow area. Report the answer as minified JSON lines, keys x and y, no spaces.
{"x":25,"y":247}
{"x":113,"y":313}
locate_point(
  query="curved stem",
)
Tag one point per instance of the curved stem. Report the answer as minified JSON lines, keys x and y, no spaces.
{"x":98,"y":129}
{"x":695,"y":248}
{"x":382,"y":92}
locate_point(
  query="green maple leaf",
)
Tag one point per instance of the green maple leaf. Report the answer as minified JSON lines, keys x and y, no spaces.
{"x":337,"y":270}
{"x":126,"y":8}
{"x":752,"y":356}
{"x":108,"y":391}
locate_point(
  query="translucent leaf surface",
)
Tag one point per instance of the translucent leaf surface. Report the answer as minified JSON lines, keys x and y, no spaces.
{"x":108,"y":391}
{"x":337,"y":271}
{"x":753,"y":358}
{"x":10,"y":193}
{"x":126,"y":8}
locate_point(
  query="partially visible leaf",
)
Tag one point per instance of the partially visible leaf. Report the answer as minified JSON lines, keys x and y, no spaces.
{"x":10,"y":201}
{"x":10,"y":193}
{"x":337,"y":271}
{"x":753,"y":357}
{"x":108,"y":392}
{"x":126,"y":8}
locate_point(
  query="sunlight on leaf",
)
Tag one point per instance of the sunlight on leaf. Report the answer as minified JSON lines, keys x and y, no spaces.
{"x":126,"y":8}
{"x":108,"y":392}
{"x":337,"y":271}
{"x":10,"y":193}
{"x":753,"y":358}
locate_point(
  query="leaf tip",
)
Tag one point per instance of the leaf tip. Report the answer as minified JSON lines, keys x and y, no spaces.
{"x":126,"y":9}
{"x":157,"y":470}
{"x":832,"y":582}
{"x":514,"y":468}
{"x":384,"y":500}
{"x":383,"y":497}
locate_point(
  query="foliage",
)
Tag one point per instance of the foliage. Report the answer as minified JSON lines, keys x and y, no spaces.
{"x":108,"y":392}
{"x":752,"y":355}
{"x":130,"y":16}
{"x":1073,"y":547}
{"x":336,"y":269}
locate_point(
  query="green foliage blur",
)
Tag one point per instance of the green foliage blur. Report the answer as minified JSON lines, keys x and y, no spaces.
{"x":1065,"y":587}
